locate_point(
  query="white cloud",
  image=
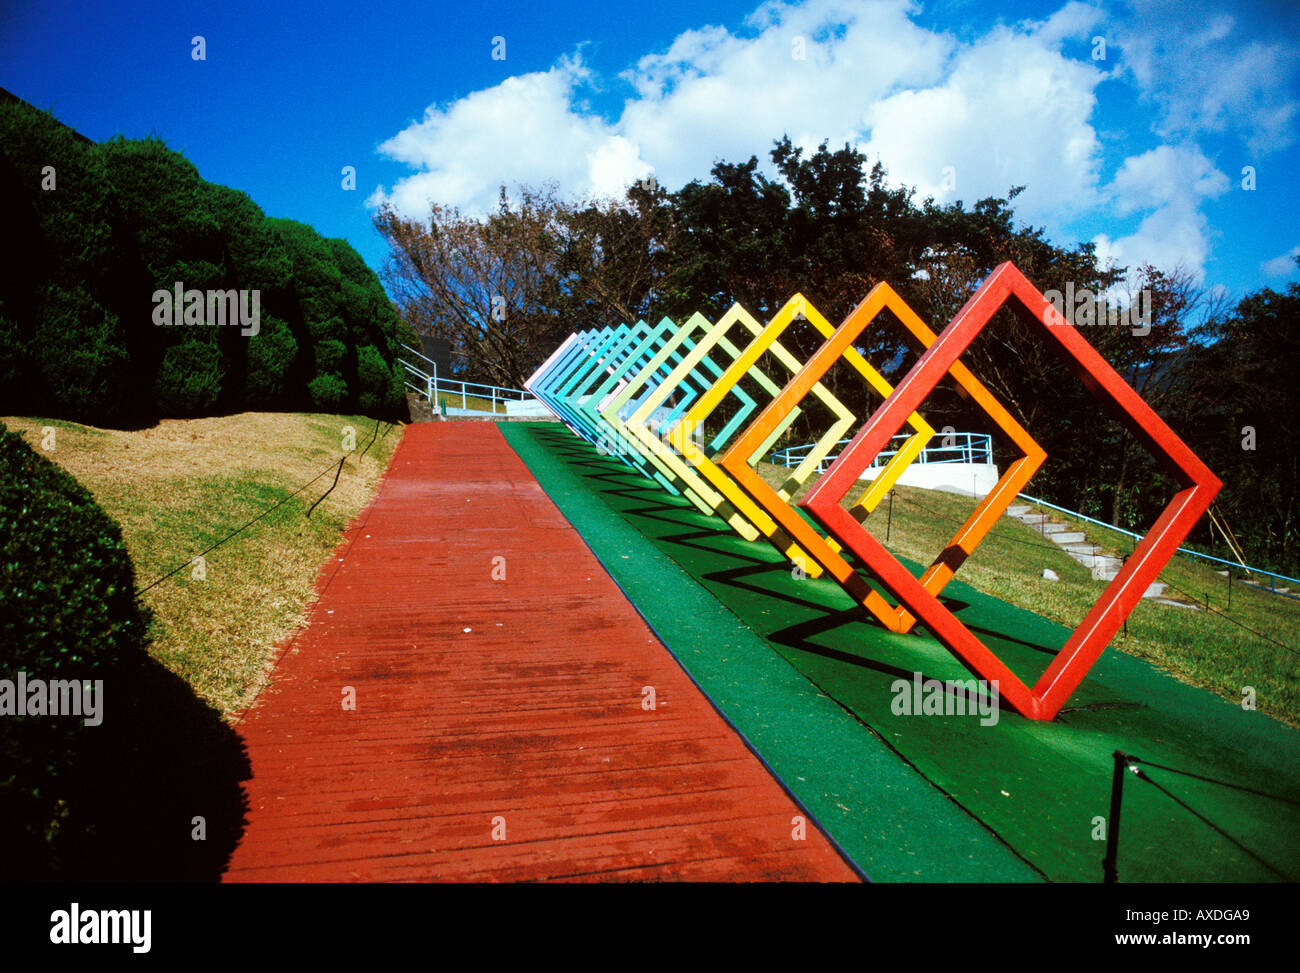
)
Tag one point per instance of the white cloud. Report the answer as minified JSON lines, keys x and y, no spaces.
{"x":1281,"y":266}
{"x":1168,"y":184}
{"x":1003,"y":107}
{"x":524,"y":130}
{"x":1188,"y":58}
{"x":1012,"y":111}
{"x":868,"y":75}
{"x":715,"y":95}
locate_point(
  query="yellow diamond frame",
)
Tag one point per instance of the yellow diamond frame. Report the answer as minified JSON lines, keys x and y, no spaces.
{"x":798,"y":307}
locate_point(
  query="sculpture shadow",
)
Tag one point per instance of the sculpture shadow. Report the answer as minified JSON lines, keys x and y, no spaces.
{"x":749,"y":572}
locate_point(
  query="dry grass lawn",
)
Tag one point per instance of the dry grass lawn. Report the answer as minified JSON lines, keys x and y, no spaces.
{"x":182,"y":485}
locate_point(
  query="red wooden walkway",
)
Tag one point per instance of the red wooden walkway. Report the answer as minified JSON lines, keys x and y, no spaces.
{"x":489,"y":705}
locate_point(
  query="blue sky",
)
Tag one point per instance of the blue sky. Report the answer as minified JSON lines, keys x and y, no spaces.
{"x":1141,"y":149}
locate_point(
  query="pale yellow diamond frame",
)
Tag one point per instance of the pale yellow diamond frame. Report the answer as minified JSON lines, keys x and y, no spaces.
{"x":765,"y":339}
{"x":733,"y":505}
{"x":638,"y":425}
{"x":695,"y":488}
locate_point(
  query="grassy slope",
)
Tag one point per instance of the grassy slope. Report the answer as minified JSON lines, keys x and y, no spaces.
{"x":182,"y":485}
{"x":1200,"y":647}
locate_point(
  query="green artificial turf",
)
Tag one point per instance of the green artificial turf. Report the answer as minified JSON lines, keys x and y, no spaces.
{"x":1040,"y":787}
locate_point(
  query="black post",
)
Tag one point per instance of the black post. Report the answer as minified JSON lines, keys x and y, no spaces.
{"x":1109,"y":863}
{"x":342,"y":460}
{"x":889,"y":521}
{"x":1229,"y":589}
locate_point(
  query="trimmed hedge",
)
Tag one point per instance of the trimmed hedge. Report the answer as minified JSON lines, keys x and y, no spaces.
{"x":68,"y":610}
{"x":119,"y":221}
{"x":327,"y":392}
{"x":189,"y":379}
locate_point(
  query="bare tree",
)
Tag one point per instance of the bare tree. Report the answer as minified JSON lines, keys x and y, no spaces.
{"x":488,"y":285}
{"x":506,"y":288}
{"x":616,"y":253}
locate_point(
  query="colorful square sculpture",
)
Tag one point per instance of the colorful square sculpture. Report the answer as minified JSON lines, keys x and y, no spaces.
{"x":587,"y":378}
{"x":726,"y":499}
{"x":715,"y":336}
{"x":585,"y":384}
{"x":627,"y":359}
{"x":643,"y":396}
{"x":555,"y":387}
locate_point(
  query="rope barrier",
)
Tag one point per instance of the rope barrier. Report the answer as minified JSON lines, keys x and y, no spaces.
{"x":1137,"y":772}
{"x":1213,"y":780}
{"x":239,"y":530}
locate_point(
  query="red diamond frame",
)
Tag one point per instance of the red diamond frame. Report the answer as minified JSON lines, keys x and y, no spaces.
{"x":1121,"y":595}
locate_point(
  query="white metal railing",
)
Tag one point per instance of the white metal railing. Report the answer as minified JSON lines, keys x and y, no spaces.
{"x":423,"y":378}
{"x":954,"y":447}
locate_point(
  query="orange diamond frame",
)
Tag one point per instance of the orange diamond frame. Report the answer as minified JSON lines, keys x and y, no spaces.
{"x":971,"y":533}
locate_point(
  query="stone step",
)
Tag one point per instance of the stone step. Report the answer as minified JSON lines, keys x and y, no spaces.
{"x":1102,"y":562}
{"x":1176,"y":604}
{"x":1103,"y":567}
{"x":1155,"y":589}
{"x":1081,"y":547}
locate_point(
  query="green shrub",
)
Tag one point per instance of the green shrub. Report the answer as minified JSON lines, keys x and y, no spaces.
{"x":68,"y":610}
{"x":13,"y":367}
{"x":94,"y":230}
{"x":80,"y":353}
{"x":271,"y":354}
{"x":189,"y":379}
{"x":374,"y":379}
{"x":329,"y":356}
{"x":327,"y":392}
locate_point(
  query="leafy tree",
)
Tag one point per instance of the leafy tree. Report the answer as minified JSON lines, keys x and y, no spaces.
{"x":339,"y":305}
{"x":62,"y":257}
{"x":614,"y":255}
{"x":730,"y":244}
{"x":94,"y":231}
{"x":1238,"y":393}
